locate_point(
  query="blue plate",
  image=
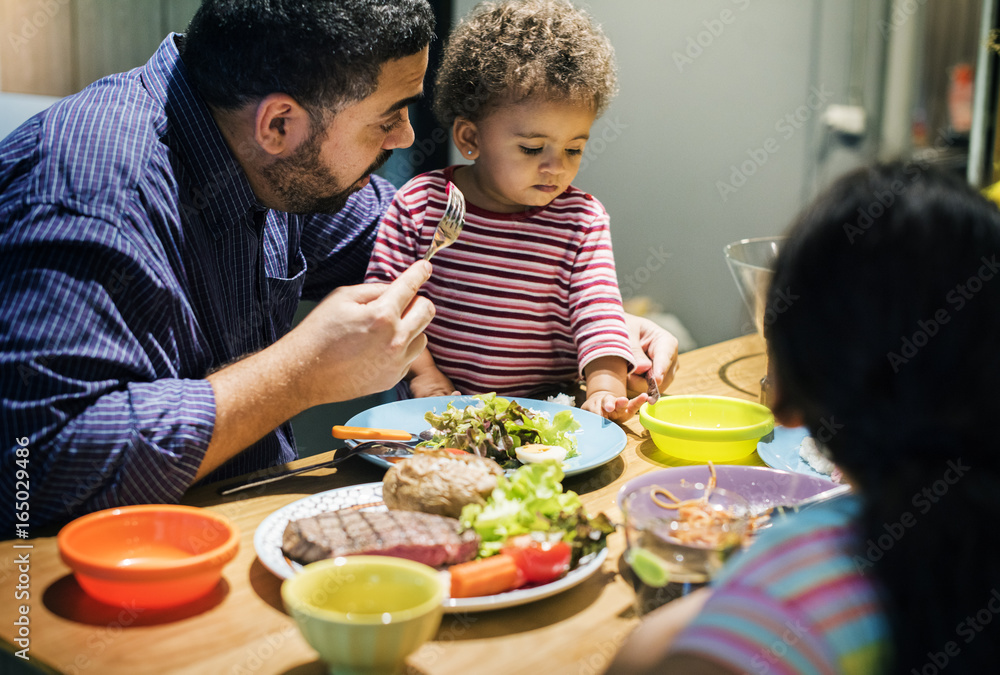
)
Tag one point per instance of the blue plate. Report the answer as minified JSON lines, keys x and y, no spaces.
{"x":783,"y":451}
{"x":598,"y":440}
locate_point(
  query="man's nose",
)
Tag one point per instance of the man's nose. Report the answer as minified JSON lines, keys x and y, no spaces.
{"x":401,"y":137}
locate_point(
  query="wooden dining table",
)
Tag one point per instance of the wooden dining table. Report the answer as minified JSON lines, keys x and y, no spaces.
{"x":242,"y":628}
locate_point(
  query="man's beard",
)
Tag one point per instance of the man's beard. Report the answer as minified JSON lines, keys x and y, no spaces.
{"x":301,"y":182}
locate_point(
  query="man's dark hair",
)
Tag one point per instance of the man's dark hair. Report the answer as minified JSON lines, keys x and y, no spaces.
{"x":326,"y":54}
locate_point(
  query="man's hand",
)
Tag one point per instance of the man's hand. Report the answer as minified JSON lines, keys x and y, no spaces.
{"x":654,"y":349}
{"x":359,"y":340}
{"x":362,"y":339}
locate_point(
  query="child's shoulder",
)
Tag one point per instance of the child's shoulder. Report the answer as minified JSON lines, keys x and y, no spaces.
{"x":431,"y":182}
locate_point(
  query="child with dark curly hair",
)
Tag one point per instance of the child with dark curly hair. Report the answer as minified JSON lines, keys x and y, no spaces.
{"x":527,"y":298}
{"x":892,"y":343}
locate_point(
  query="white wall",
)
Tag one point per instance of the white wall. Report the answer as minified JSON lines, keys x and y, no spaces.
{"x":706,"y":85}
{"x":16,"y":108}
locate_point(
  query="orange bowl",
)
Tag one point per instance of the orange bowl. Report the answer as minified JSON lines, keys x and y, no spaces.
{"x":150,"y":556}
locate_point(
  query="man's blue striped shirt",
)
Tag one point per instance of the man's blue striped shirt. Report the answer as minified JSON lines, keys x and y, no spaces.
{"x":135,"y":260}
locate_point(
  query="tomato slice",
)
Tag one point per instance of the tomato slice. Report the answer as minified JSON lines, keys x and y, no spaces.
{"x":539,"y":561}
{"x":456,"y":451}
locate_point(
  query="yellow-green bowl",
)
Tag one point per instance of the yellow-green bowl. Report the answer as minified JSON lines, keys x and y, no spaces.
{"x":365,"y":614}
{"x":706,"y":428}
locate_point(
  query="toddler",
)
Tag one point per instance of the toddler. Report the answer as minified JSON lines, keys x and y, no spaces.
{"x":527,"y":298}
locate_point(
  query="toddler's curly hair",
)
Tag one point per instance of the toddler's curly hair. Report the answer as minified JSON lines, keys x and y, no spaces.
{"x":506,"y":52}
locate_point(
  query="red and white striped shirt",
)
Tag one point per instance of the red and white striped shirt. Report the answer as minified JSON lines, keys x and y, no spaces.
{"x":524,"y":300}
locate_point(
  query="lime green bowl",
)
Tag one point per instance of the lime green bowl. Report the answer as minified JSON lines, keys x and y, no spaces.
{"x":706,"y":428}
{"x":365,"y":614}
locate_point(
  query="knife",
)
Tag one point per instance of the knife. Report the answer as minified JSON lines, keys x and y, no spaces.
{"x":376,"y":448}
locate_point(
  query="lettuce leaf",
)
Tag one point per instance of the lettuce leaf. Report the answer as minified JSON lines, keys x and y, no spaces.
{"x":531,"y":500}
{"x":498,"y":426}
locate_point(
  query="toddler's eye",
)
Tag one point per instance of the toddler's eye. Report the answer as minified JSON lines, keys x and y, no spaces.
{"x":574,"y":151}
{"x":530,"y":151}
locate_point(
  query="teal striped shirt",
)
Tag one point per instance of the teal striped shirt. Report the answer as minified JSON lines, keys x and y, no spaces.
{"x":795,"y":602}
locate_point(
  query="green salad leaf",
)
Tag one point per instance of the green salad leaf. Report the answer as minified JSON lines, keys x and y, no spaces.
{"x":532,"y":501}
{"x":498,"y":426}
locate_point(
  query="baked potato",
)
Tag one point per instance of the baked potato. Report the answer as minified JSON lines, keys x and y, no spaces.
{"x":440,"y":482}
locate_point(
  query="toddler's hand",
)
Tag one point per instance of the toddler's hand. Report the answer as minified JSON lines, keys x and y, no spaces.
{"x":433,"y":383}
{"x":614,"y":408}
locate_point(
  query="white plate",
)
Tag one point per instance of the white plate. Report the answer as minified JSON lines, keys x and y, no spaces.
{"x":267,"y":543}
{"x":783,"y":451}
{"x":598,"y":440}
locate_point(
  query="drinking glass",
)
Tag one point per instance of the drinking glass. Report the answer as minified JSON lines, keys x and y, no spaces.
{"x":668,"y":555}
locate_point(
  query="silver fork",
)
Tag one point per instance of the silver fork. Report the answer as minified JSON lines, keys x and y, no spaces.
{"x":451,"y":222}
{"x":793,"y":506}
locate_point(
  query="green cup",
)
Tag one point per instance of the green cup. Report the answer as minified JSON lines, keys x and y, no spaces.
{"x":365,"y":614}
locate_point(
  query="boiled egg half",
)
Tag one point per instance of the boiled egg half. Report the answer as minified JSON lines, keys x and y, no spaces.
{"x":536,"y":452}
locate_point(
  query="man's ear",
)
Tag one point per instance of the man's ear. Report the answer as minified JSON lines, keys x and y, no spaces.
{"x":465,"y":136}
{"x":280,"y":124}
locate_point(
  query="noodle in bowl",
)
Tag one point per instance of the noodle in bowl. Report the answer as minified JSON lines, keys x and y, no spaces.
{"x":690,"y":531}
{"x":688,"y":520}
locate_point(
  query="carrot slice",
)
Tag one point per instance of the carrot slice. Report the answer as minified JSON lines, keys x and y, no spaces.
{"x":488,"y":576}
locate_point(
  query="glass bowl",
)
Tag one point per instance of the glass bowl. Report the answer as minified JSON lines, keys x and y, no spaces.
{"x":751,"y":262}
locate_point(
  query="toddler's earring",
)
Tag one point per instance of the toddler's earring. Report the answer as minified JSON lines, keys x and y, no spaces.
{"x":469,"y":151}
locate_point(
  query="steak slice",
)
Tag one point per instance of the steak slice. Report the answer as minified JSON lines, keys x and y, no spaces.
{"x":431,"y":539}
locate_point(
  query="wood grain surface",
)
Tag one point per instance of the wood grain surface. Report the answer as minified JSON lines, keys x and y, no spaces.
{"x":241,"y":626}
